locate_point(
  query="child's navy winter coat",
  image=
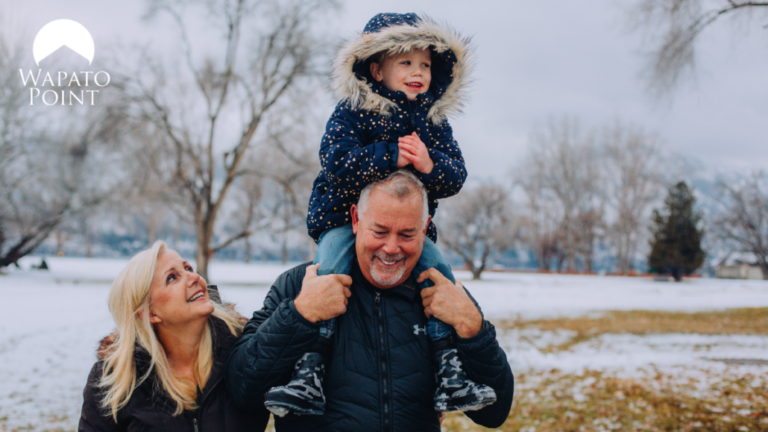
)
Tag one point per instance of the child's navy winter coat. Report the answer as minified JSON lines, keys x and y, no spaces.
{"x":360,"y":141}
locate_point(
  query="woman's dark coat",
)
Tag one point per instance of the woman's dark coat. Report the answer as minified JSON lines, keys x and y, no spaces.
{"x":150,"y":409}
{"x":360,"y":141}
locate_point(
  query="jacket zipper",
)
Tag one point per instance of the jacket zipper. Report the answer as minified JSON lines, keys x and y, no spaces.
{"x":383,"y":362}
{"x":194,"y":423}
{"x":412,"y":126}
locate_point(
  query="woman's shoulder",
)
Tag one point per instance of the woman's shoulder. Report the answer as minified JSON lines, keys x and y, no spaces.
{"x":223,"y":339}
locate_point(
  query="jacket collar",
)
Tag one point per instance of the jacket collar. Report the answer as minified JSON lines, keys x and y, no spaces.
{"x":408,"y":289}
{"x":400,"y":99}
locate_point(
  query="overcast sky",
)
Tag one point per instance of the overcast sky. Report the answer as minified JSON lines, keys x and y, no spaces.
{"x":534,"y":60}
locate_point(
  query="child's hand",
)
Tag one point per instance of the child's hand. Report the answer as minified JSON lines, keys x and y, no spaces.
{"x":412,"y":149}
{"x":402,"y":162}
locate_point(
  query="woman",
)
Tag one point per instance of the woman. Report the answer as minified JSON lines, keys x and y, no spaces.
{"x":161,"y":370}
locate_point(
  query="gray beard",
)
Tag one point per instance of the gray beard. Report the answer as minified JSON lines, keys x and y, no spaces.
{"x":387,"y":278}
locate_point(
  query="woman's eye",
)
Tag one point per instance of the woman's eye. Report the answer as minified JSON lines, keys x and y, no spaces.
{"x":190,"y":269}
{"x":171,"y":278}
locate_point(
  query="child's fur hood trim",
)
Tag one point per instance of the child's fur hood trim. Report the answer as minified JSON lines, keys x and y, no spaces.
{"x":398,"y":39}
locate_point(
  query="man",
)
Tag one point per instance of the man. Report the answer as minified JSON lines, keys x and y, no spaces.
{"x":379,"y":372}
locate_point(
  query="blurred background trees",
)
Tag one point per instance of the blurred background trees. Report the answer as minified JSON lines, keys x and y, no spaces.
{"x":674,"y":27}
{"x":213,"y":148}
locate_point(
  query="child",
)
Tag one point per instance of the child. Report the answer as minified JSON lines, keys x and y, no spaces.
{"x":397,"y":82}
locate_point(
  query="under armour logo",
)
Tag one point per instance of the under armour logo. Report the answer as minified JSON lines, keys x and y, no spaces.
{"x":416,"y":330}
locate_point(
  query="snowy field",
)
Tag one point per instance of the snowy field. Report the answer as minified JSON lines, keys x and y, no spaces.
{"x":52,"y":320}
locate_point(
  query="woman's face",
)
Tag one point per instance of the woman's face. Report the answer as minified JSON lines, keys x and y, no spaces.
{"x":178,"y":295}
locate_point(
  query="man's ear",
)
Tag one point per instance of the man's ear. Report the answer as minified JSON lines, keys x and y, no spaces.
{"x":376,"y":71}
{"x":429,"y":219}
{"x":355,"y":220}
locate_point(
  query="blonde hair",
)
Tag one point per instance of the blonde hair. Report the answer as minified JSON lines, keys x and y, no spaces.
{"x":129,"y":296}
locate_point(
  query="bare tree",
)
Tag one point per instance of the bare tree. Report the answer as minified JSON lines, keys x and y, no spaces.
{"x":50,"y":170}
{"x":50,"y":181}
{"x":634,"y":179}
{"x":564,"y":164}
{"x":541,"y":225}
{"x":676,"y":26}
{"x":145,"y":203}
{"x":199,"y":116}
{"x":479,"y":226}
{"x":743,"y":221}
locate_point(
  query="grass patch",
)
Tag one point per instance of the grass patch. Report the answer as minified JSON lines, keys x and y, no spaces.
{"x":594,"y":401}
{"x":743,"y":321}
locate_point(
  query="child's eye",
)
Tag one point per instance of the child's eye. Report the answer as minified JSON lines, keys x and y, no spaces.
{"x":406,"y":62}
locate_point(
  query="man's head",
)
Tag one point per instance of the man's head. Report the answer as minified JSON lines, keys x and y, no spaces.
{"x":390,"y":222}
{"x":410,"y":72}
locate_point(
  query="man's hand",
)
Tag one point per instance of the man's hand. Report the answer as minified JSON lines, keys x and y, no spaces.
{"x":450,"y":304}
{"x":322,"y":297}
{"x":412,"y":149}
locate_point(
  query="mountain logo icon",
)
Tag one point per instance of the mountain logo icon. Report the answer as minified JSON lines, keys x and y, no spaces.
{"x":59,"y":33}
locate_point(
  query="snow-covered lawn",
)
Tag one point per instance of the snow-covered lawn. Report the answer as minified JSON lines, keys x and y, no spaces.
{"x":52,"y":320}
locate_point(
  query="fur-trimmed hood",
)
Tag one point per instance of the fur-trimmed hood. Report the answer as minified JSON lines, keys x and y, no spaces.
{"x":398,"y":33}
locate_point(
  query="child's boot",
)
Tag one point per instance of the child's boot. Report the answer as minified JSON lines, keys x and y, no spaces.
{"x":455,"y":391}
{"x":304,"y":394}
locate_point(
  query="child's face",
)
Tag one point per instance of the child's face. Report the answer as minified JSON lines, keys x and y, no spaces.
{"x":409,"y":73}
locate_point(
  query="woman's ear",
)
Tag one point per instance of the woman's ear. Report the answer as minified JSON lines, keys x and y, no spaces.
{"x":154,"y":319}
{"x":376,"y":71}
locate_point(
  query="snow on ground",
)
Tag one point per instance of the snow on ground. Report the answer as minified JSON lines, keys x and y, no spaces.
{"x":630,"y":354}
{"x":52,"y":321}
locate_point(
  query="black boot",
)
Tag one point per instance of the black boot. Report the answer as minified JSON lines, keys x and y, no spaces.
{"x":455,"y":391}
{"x":304,"y":394}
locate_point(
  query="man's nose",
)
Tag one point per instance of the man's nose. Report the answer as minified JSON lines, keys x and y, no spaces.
{"x":391,"y":246}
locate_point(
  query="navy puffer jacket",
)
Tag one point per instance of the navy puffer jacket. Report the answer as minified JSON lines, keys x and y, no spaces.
{"x":360,"y":141}
{"x":379,"y":372}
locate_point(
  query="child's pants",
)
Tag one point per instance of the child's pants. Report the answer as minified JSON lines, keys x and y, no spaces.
{"x":336,"y":250}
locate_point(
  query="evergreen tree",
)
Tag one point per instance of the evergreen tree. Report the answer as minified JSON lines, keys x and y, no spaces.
{"x":676,"y":244}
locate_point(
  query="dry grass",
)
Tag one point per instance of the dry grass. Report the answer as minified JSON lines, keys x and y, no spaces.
{"x":593,"y":401}
{"x":744,"y":321}
{"x":598,"y":401}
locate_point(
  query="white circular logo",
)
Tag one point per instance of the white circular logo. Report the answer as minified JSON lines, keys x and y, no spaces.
{"x":59,"y":33}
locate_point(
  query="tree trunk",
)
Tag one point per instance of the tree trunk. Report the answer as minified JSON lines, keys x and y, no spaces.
{"x":677,"y":273}
{"x":204,"y":254}
{"x":476,"y":273}
{"x":60,"y":239}
{"x":284,"y":248}
{"x":763,"y":263}
{"x":471,"y":266}
{"x":247,"y":257}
